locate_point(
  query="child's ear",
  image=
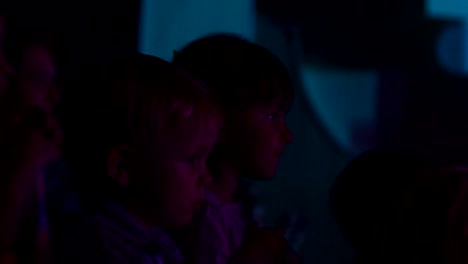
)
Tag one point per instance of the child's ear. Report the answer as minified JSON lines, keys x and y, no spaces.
{"x":117,"y":164}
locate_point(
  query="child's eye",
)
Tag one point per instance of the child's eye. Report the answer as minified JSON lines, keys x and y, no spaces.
{"x":192,"y":159}
{"x":274,"y":116}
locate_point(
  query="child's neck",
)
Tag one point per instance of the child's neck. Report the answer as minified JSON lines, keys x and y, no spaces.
{"x":226,"y":186}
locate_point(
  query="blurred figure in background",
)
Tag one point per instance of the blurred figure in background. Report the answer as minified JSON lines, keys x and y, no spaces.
{"x":367,"y":196}
{"x":30,"y":140}
{"x":431,"y":221}
{"x":456,"y":239}
{"x":29,"y":51}
{"x":5,"y":67}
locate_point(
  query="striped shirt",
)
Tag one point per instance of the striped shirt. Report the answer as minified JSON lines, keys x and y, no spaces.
{"x":125,"y":241}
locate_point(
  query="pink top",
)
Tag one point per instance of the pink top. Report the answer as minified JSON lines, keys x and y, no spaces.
{"x":221,"y":231}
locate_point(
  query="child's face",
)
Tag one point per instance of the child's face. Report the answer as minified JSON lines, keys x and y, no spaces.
{"x":263,"y":136}
{"x":176,"y":174}
{"x":5,"y":68}
{"x":37,"y":78}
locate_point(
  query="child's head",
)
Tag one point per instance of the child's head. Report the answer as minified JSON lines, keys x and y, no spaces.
{"x":455,"y":206}
{"x":150,"y":131}
{"x":365,"y":195}
{"x":434,"y":223}
{"x":36,"y":76}
{"x":255,"y":92}
{"x":30,"y":53}
{"x":5,"y":67}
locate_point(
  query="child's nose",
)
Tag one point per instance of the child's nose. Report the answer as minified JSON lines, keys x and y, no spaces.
{"x":204,"y":179}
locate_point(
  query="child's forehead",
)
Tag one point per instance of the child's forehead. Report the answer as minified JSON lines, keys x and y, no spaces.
{"x":278,"y":103}
{"x":189,"y":132}
{"x":273,"y":90}
{"x":275,"y":103}
{"x":178,"y":146}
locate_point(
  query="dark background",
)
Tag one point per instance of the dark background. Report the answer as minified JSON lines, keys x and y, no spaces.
{"x":421,"y":105}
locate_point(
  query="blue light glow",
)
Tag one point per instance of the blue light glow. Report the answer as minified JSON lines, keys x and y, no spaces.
{"x":167,"y":25}
{"x":451,"y":9}
{"x":343,"y":99}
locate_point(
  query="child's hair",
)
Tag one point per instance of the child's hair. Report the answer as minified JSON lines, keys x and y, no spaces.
{"x":134,"y":101}
{"x":363,"y":194}
{"x":437,"y":221}
{"x":456,"y":198}
{"x":22,"y":35}
{"x":237,"y":72}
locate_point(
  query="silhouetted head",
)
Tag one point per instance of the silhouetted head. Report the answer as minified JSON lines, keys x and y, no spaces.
{"x":146,"y":131}
{"x":367,"y":195}
{"x":5,"y":67}
{"x":29,"y":52}
{"x":254,"y":90}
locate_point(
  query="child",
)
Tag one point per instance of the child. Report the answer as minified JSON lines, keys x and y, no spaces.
{"x":149,"y":130}
{"x":455,"y":199}
{"x":255,"y":92}
{"x":5,"y":67}
{"x":30,"y":53}
{"x":432,"y":221}
{"x":30,"y":140}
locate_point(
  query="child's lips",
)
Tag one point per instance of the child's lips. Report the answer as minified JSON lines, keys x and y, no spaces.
{"x":198,"y":204}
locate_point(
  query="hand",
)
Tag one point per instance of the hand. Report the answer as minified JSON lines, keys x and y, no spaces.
{"x":292,"y":257}
{"x":264,"y":246}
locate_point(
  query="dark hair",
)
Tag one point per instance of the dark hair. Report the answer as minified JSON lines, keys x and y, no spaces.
{"x":24,"y":34}
{"x":437,"y":220}
{"x":128,"y":101}
{"x":455,"y":199}
{"x":364,"y":192}
{"x":234,"y":68}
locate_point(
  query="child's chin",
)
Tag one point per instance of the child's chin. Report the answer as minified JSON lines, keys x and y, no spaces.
{"x":185,"y":220}
{"x":265,"y":175}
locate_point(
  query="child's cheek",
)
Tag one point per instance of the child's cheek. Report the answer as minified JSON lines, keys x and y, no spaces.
{"x":262,"y":138}
{"x":182,"y":176}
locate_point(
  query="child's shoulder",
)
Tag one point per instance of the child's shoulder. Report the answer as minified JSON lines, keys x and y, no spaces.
{"x":212,"y":213}
{"x":217,"y":210}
